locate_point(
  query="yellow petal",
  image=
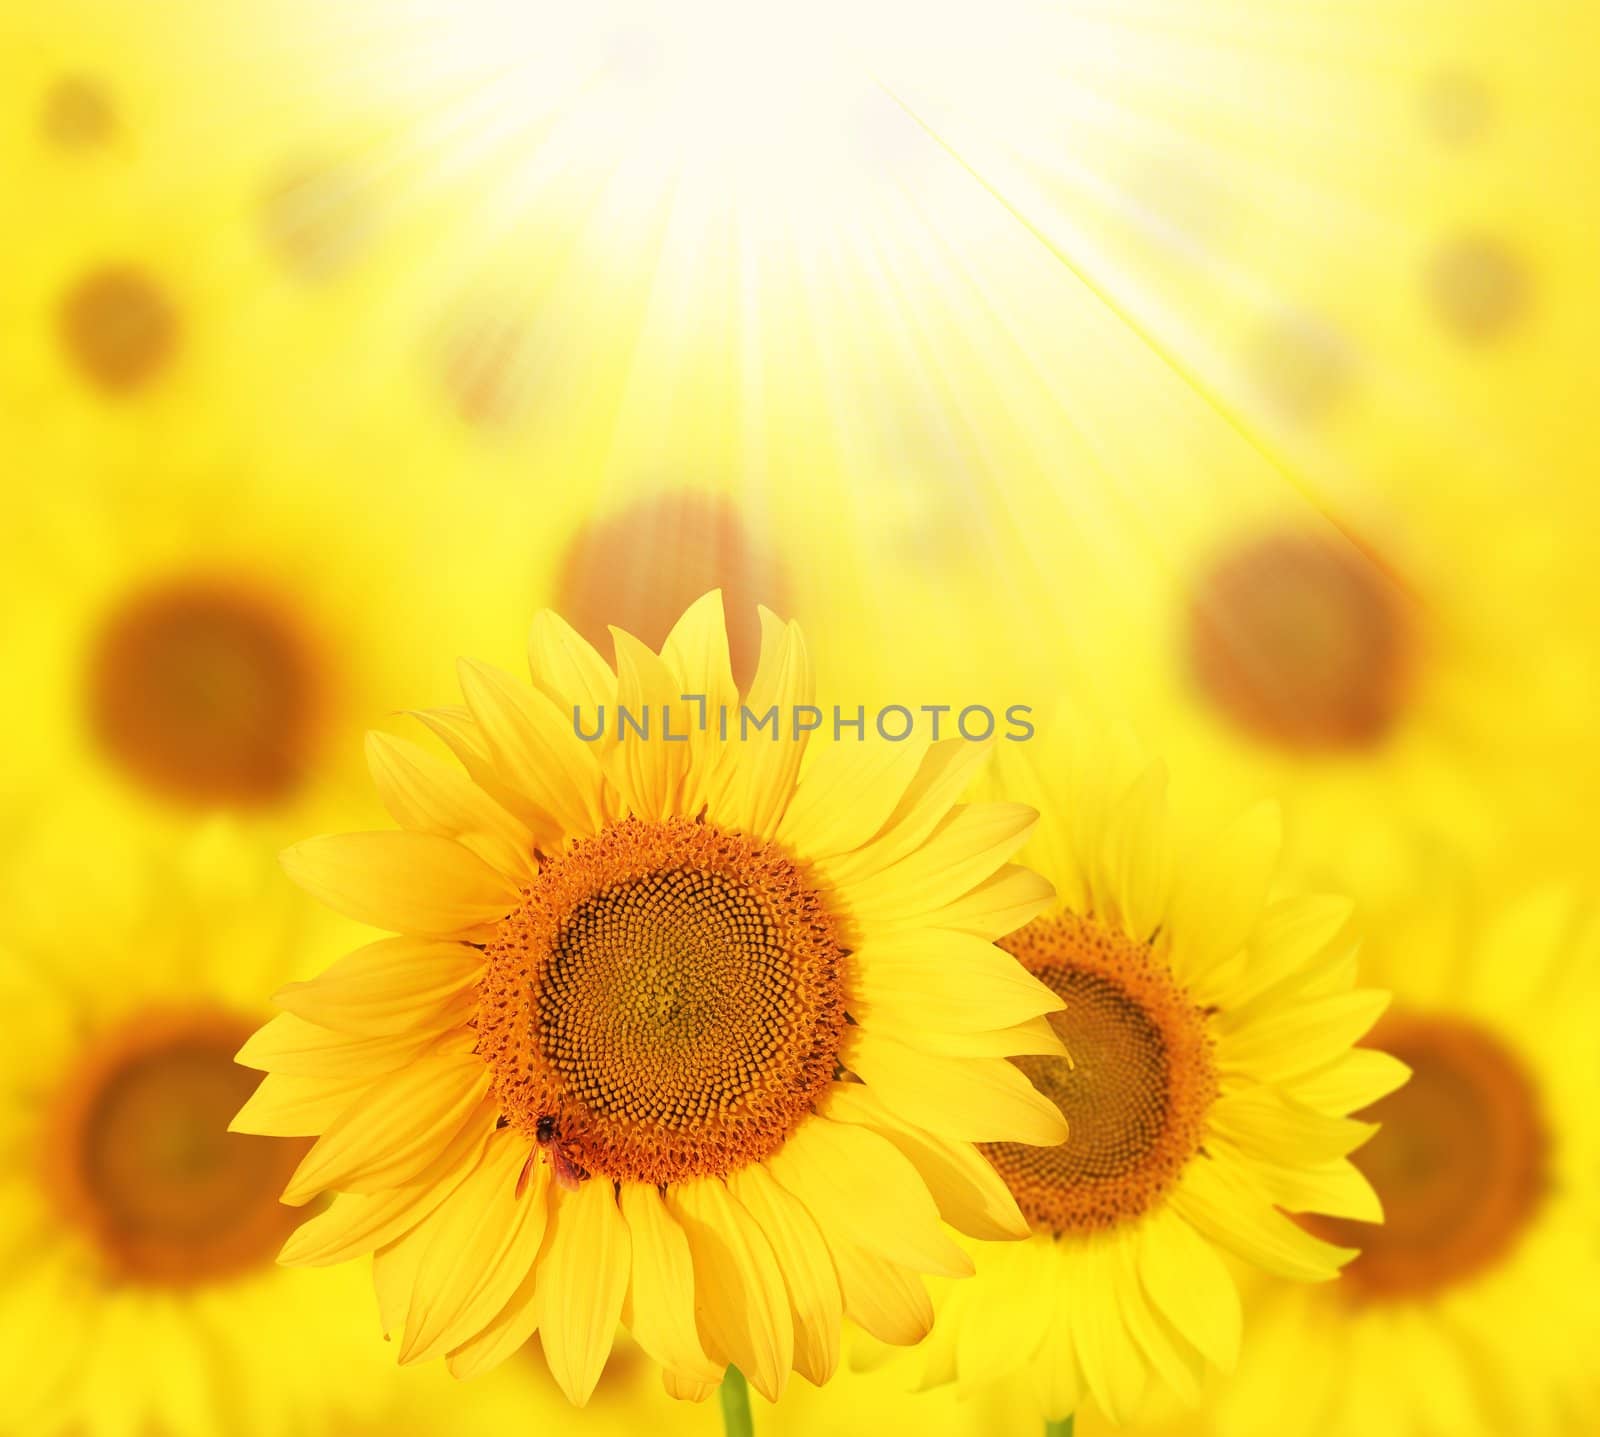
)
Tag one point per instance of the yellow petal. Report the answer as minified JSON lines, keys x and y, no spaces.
{"x":1057,"y":1380}
{"x":289,"y":1044}
{"x":887,"y":1301}
{"x":1035,"y":1037}
{"x":1188,"y":1284}
{"x":426,"y":795}
{"x":582,"y":1281}
{"x":697,"y":652}
{"x":740,"y":1299}
{"x":382,"y":989}
{"x":980,"y":1100}
{"x":1111,"y":1364}
{"x":464,"y":737}
{"x":356,"y":1223}
{"x":872,"y":775}
{"x":970,"y":1194}
{"x":535,"y":751}
{"x":947,"y":768}
{"x":293,"y":1106}
{"x":998,"y":906}
{"x":1338,"y":1189}
{"x":964,"y":849}
{"x":394,"y":1272}
{"x":948,"y":981}
{"x":566,"y":667}
{"x":506,"y":1333}
{"x":482,"y":1245}
{"x":769,"y":765}
{"x":1300,"y":1037}
{"x":860,"y":1186}
{"x":650,"y":768}
{"x":1266,"y":1124}
{"x":1290,"y":936}
{"x":1136,"y":858}
{"x":802,"y":1256}
{"x":660,"y":1309}
{"x":1008,"y":1309}
{"x":1354,"y":1080}
{"x":405,"y":882}
{"x":1223,"y":889}
{"x":399,"y":1127}
{"x":1223,"y":1207}
{"x":1173,"y":1361}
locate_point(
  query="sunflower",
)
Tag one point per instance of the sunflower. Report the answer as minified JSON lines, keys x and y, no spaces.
{"x":138,"y":1233}
{"x":674,"y":1033}
{"x":1353,"y":670}
{"x":200,"y":638}
{"x":1460,"y":1312}
{"x":1210,"y":1031}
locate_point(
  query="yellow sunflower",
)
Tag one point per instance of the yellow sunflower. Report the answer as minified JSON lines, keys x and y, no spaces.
{"x":1462,"y":1312}
{"x":1210,"y":1027}
{"x":199,"y":637}
{"x":676,"y":1034}
{"x":138,"y":1234}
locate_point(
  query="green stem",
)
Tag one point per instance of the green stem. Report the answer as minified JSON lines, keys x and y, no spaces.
{"x":736,"y":1404}
{"x":1062,"y":1428}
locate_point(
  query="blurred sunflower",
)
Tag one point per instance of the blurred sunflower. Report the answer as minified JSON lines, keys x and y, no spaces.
{"x":1356,"y":670}
{"x":138,"y":1233}
{"x":201,"y":638}
{"x":1460,"y":1313}
{"x":598,"y":1075}
{"x":1209,"y":1030}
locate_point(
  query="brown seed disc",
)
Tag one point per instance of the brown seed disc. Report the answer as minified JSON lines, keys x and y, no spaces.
{"x":119,"y":328}
{"x":1304,"y":642}
{"x":1460,"y":1162}
{"x":667,"y":998}
{"x":207,"y":692}
{"x":77,"y":114}
{"x":1134,"y":1091}
{"x":140,"y":1155}
{"x":1478,"y":287}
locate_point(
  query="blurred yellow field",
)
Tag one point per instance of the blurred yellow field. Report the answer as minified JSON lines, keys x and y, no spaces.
{"x":878,"y":716}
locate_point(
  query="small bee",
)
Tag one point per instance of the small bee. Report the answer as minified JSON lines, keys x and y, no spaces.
{"x":566,"y":1172}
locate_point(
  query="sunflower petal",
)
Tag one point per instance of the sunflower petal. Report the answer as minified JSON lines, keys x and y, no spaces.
{"x":740,"y":1298}
{"x":566,"y":667}
{"x":948,"y":981}
{"x":1241,"y":1219}
{"x":401,"y":1125}
{"x":483,"y":1244}
{"x":946,"y":770}
{"x":802,"y":1256}
{"x":981,"y":1100}
{"x":535,"y":751}
{"x":405,"y":882}
{"x":1223,"y":888}
{"x":1188,"y":1284}
{"x":649,"y":768}
{"x":972,"y":1197}
{"x":357,"y":1223}
{"x":770,"y":764}
{"x":380,"y":990}
{"x":964,"y":849}
{"x":661,"y":1295}
{"x":874,"y":775}
{"x":426,"y":795}
{"x":900,"y":1224}
{"x":582,"y":1281}
{"x":289,"y":1044}
{"x":887,"y":1301}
